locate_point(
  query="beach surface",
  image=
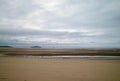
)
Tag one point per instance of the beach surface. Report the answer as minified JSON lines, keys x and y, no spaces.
{"x":59,"y":52}
{"x":38,"y":69}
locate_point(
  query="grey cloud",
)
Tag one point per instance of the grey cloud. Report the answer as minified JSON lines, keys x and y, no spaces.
{"x":42,"y":33}
{"x":99,"y":18}
{"x":17,"y":8}
{"x":92,"y":17}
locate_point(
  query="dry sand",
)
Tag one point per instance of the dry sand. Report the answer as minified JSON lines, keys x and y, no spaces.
{"x":31,"y":69}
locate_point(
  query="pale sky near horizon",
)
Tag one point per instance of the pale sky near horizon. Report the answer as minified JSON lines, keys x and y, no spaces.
{"x":82,"y":23}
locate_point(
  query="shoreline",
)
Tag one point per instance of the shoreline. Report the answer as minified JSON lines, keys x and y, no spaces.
{"x":65,"y":57}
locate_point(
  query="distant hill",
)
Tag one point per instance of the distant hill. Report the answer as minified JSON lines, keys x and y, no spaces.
{"x":6,"y":47}
{"x":35,"y":47}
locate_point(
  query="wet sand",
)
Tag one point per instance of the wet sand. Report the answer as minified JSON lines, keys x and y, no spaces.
{"x":38,"y":69}
{"x":55,"y":52}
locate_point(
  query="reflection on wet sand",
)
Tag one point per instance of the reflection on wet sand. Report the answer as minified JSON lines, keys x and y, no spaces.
{"x":64,"y":57}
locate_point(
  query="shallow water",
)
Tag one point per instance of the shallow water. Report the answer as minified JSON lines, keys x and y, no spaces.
{"x":65,"y":57}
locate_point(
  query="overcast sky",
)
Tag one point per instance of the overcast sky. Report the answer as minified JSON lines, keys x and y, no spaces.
{"x":81,"y":23}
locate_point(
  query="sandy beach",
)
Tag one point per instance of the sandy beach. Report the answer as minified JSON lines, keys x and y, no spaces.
{"x":36,"y":69}
{"x":53,"y":52}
